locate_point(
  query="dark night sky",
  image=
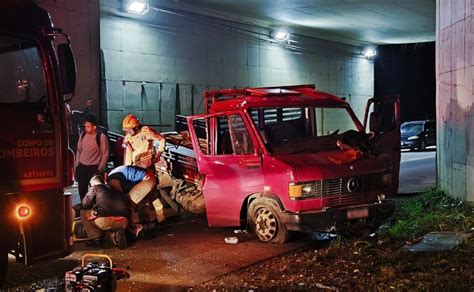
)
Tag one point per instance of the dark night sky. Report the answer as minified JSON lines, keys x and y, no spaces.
{"x":408,"y":71}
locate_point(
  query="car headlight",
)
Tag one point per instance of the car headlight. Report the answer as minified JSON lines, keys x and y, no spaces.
{"x":413,"y":138}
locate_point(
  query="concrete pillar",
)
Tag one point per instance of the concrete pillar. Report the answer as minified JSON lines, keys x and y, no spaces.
{"x":454,"y":97}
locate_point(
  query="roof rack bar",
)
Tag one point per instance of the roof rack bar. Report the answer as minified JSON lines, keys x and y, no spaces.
{"x":213,"y":96}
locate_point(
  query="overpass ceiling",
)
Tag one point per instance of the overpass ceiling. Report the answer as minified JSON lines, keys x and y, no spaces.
{"x":353,"y":22}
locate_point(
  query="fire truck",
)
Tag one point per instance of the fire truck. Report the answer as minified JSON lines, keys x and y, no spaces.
{"x":37,"y":78}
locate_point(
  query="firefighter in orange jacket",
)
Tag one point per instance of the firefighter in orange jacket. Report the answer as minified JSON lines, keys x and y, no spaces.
{"x":140,"y":151}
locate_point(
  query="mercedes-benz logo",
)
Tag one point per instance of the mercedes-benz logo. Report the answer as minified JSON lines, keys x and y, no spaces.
{"x":353,"y":185}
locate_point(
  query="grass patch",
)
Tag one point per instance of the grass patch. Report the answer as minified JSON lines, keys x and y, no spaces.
{"x":432,"y":210}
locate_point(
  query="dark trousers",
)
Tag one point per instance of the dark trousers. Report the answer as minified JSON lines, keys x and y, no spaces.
{"x":84,"y":173}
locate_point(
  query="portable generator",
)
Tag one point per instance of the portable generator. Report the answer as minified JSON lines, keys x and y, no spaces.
{"x":93,"y":276}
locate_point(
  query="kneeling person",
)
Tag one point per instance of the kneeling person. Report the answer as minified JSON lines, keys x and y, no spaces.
{"x":138,"y":183}
{"x":104,"y":210}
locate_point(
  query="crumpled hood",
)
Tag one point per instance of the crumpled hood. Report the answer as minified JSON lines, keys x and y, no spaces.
{"x":314,"y":166}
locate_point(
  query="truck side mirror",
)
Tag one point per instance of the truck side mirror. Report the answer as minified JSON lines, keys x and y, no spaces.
{"x":374,"y":122}
{"x":67,"y":69}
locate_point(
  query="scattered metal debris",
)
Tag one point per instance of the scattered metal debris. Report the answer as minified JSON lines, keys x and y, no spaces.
{"x":231,"y":240}
{"x":240,"y":231}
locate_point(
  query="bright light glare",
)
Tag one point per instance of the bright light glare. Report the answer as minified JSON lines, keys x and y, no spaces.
{"x":22,"y":212}
{"x":138,"y":7}
{"x":369,"y":52}
{"x":281,"y":35}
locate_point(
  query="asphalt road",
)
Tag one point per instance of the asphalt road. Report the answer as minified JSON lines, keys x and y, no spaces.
{"x":417,"y":171}
{"x":183,"y":255}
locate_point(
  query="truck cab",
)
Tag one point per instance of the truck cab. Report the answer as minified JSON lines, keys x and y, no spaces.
{"x":294,"y":158}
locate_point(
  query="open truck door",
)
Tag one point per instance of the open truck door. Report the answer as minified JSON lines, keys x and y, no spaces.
{"x":228,"y":158}
{"x":382,"y":118}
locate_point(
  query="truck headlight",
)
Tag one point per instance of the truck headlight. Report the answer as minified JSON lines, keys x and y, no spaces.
{"x":413,"y":138}
{"x":305,"y":190}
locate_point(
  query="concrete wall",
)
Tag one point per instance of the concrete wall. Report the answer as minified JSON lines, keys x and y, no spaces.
{"x":455,"y":111}
{"x":80,"y":20}
{"x":147,"y":57}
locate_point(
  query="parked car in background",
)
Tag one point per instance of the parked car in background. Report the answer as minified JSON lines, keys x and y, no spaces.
{"x":418,"y":135}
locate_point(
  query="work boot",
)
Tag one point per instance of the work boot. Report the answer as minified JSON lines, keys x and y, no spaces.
{"x":120,"y":238}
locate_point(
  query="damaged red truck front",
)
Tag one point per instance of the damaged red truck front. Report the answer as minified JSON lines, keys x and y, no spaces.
{"x":284,"y":159}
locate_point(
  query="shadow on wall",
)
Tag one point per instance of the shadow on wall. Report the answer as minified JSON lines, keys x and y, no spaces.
{"x":154,"y":103}
{"x":456,"y":139}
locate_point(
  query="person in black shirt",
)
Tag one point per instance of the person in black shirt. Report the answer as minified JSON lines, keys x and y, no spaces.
{"x":105,"y":209}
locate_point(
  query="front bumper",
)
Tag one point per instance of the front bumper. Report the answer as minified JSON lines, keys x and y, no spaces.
{"x":337,"y":218}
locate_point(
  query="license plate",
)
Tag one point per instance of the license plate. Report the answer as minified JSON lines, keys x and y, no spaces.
{"x":358,"y":213}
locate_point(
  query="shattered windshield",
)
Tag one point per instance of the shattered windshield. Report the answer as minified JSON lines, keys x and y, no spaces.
{"x":306,"y":129}
{"x":21,"y":77}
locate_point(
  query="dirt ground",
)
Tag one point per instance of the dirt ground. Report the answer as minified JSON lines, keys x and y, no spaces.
{"x":357,"y":265}
{"x":378,"y":262}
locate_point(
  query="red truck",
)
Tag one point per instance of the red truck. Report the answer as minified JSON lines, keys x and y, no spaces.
{"x":35,"y":163}
{"x":283,"y":159}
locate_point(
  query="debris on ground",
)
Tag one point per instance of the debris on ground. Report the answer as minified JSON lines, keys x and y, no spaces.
{"x":240,"y":231}
{"x":231,"y":240}
{"x":437,"y":241}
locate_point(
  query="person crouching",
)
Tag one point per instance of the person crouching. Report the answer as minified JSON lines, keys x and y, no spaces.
{"x":105,"y":210}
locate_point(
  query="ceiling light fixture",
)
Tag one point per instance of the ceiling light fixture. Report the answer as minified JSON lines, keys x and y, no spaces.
{"x":281,"y":35}
{"x":138,"y":7}
{"x":369,"y":52}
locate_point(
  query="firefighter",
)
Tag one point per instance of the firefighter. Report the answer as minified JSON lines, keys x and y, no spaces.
{"x":140,"y":152}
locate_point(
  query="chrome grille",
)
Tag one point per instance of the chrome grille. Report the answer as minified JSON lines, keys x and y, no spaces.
{"x":336,"y":192}
{"x":350,"y":199}
{"x":336,"y":186}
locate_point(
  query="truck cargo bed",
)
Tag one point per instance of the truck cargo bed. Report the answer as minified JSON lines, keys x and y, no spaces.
{"x":179,"y":153}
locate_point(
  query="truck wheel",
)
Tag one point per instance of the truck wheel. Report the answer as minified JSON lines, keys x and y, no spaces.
{"x":3,"y":267}
{"x":265,"y":221}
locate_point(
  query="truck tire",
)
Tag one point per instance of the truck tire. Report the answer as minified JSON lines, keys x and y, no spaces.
{"x":265,"y":221}
{"x":3,"y":267}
